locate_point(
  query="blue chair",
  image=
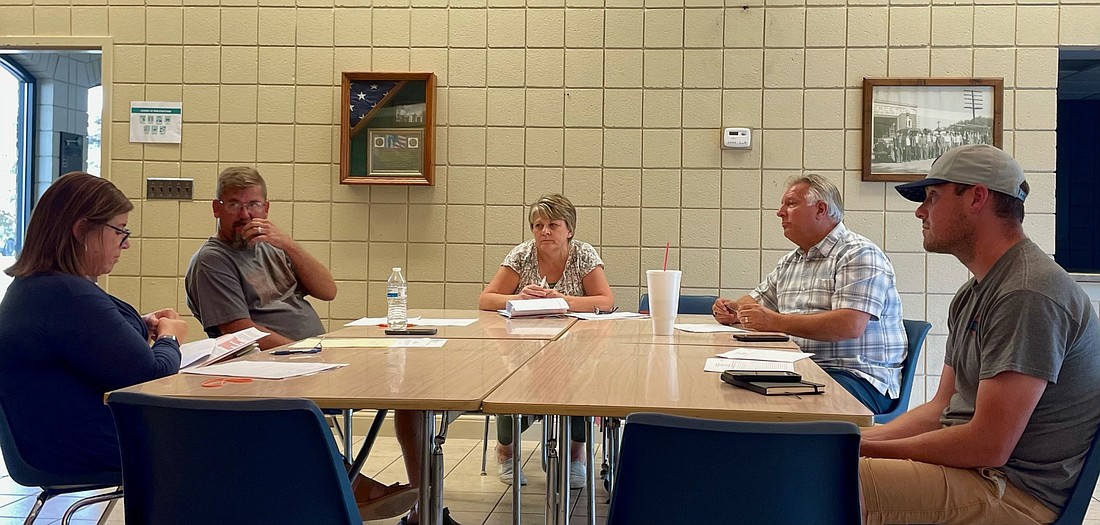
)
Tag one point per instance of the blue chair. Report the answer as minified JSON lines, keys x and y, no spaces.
{"x":1074,"y":511}
{"x":737,"y":472}
{"x":262,"y":462}
{"x":915,"y":331}
{"x":54,"y":484}
{"x":689,"y":304}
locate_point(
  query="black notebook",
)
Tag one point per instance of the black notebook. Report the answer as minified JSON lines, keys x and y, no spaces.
{"x":775,"y":388}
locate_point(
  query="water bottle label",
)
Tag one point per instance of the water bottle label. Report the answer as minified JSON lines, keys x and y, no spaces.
{"x":391,"y":294}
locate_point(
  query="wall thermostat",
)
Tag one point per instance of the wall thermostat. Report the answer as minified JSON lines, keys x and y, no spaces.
{"x":737,"y":138}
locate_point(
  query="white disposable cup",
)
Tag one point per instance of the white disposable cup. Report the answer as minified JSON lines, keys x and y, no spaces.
{"x":664,"y":299}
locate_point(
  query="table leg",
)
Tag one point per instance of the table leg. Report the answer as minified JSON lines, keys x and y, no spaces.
{"x":552,"y":468}
{"x":437,"y":470}
{"x":590,"y":467}
{"x":517,"y":466}
{"x":428,"y":430}
{"x":563,"y":468}
{"x":368,"y":442}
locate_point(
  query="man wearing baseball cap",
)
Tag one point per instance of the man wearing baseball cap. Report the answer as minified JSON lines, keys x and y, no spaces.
{"x":1004,"y":438}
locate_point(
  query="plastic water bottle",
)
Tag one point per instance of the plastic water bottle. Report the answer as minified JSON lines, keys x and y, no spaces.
{"x":397,"y":301}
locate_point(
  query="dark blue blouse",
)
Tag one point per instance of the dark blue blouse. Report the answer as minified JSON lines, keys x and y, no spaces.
{"x":64,"y":342}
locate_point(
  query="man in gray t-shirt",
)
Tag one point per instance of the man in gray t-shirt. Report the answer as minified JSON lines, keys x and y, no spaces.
{"x":1004,"y":438}
{"x":253,"y":274}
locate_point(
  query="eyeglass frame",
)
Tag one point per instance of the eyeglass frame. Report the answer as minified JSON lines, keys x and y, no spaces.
{"x":596,"y":310}
{"x":125,"y":232}
{"x":237,"y":206}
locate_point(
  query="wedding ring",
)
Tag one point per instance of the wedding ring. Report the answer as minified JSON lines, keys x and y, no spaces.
{"x":261,"y":230}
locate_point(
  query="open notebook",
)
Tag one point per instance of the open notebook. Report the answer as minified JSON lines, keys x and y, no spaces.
{"x":209,"y":351}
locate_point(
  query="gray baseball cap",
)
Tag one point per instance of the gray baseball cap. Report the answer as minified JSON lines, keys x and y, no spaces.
{"x":973,"y":164}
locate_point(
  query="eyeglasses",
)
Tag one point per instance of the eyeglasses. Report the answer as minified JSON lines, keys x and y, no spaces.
{"x":125,"y":233}
{"x":235,"y":206}
{"x":597,"y":311}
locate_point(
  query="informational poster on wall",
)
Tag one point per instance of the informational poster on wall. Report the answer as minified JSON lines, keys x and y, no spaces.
{"x":156,"y":121}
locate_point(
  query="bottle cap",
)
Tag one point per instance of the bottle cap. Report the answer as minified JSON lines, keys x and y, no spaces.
{"x":397,"y":269}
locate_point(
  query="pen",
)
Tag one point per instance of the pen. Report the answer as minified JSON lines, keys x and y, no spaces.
{"x":315,"y":350}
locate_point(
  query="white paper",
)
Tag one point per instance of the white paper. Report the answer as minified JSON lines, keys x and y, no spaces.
{"x":375,"y":321}
{"x":198,"y":353}
{"x":764,"y":354}
{"x":156,"y":121}
{"x":368,"y":342}
{"x":533,"y":307}
{"x":195,"y":351}
{"x":706,"y":328}
{"x":606,"y":317}
{"x":446,"y":322}
{"x":721,"y":364}
{"x":263,"y":369}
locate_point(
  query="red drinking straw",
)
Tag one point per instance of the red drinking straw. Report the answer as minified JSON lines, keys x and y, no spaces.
{"x":666,"y":258}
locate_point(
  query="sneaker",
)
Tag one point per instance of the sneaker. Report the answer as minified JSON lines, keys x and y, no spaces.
{"x":506,"y":474}
{"x":578,"y":475}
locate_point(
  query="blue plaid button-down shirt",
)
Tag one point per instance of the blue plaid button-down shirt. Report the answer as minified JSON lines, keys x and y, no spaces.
{"x":844,"y":270}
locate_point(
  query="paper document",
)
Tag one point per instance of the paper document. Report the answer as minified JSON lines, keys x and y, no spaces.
{"x":534,"y":307}
{"x":376,"y":321}
{"x":721,"y":364}
{"x":368,"y":342}
{"x":706,"y":328}
{"x":209,"y":351}
{"x":445,"y":322}
{"x":764,"y":354}
{"x":263,"y":369}
{"x":606,"y":317}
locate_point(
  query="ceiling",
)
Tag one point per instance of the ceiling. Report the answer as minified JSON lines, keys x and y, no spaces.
{"x":1079,"y":73}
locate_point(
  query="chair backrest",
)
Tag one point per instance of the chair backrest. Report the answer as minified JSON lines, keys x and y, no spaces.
{"x":27,"y":475}
{"x":915,"y":331}
{"x":739,"y":472}
{"x":1074,"y":511}
{"x":689,"y":304}
{"x":268,"y":461}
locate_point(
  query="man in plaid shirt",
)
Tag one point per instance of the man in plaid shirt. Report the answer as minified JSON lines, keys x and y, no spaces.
{"x":834,"y":294}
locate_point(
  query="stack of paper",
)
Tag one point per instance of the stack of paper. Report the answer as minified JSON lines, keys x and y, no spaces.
{"x":263,"y":369}
{"x":367,"y":342}
{"x":608,"y":316}
{"x":721,"y":364}
{"x":534,"y":307}
{"x":706,"y":328}
{"x":209,"y":351}
{"x":764,"y":354}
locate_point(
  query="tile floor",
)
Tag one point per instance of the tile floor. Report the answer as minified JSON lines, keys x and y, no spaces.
{"x":472,"y":498}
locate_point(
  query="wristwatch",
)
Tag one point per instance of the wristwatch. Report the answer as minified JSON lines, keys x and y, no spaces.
{"x":167,"y":336}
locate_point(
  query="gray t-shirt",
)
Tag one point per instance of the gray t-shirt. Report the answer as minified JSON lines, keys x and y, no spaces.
{"x":225,"y":284}
{"x":1028,"y":316}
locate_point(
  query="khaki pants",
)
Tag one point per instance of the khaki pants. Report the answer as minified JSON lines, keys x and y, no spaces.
{"x":900,"y":491}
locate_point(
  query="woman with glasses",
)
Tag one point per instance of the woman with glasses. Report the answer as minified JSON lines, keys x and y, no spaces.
{"x":64,"y":341}
{"x":552,"y":264}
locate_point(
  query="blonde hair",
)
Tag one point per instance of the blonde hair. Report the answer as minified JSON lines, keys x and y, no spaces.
{"x":75,"y":197}
{"x":554,"y":207}
{"x":238,"y":178}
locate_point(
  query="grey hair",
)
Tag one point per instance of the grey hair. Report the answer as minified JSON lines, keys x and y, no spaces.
{"x":821,"y":189}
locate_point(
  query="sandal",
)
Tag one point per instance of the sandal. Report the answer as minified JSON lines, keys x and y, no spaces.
{"x":397,"y":500}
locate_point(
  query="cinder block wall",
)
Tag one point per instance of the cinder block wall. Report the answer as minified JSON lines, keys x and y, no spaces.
{"x":616,"y":103}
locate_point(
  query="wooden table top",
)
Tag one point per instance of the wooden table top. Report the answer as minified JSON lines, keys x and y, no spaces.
{"x":454,"y":377}
{"x":489,"y":325}
{"x":641,"y":331}
{"x":574,"y":377}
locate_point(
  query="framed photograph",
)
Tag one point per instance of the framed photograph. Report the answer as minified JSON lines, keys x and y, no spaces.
{"x":386,"y":128}
{"x":909,"y":122}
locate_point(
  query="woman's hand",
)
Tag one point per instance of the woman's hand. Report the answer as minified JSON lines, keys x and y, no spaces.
{"x":534,"y":291}
{"x":176,"y":327}
{"x":152,"y":320}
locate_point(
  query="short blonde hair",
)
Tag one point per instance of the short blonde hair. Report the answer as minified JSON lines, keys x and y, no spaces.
{"x":554,"y":207}
{"x":239,"y":178}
